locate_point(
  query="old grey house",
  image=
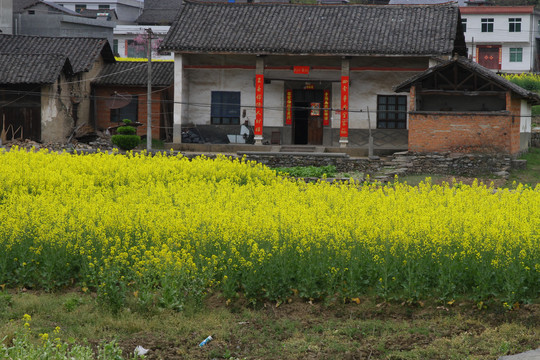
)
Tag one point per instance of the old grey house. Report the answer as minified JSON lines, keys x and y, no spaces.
{"x":305,"y":74}
{"x":48,"y":95}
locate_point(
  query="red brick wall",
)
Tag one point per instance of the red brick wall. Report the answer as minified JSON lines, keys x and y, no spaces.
{"x":103,"y":113}
{"x":466,"y":132}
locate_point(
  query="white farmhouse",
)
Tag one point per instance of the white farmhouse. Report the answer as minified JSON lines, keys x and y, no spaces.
{"x":502,"y":38}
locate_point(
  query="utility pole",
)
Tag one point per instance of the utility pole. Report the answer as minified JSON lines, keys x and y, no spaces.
{"x":149,"y":93}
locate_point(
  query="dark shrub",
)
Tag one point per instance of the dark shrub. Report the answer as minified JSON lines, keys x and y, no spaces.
{"x":126,"y":130}
{"x":126,"y":138}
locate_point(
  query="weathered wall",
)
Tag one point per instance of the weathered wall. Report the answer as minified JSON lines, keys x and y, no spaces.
{"x":103,"y":113}
{"x":56,"y":120}
{"x":66,"y":105}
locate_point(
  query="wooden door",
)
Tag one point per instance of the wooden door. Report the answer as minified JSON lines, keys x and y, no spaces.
{"x":315,"y":130}
{"x":489,"y":57}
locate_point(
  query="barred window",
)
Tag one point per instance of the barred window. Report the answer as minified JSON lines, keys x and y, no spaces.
{"x":391,"y":112}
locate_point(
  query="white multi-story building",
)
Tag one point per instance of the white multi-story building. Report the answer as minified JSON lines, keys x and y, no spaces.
{"x":131,"y":41}
{"x":127,"y":10}
{"x":502,"y":38}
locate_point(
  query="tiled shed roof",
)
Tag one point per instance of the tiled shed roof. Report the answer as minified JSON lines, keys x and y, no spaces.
{"x":135,"y":73}
{"x":476,"y":68}
{"x":82,"y":52}
{"x":159,"y":12}
{"x":32,"y":68}
{"x":315,"y":29}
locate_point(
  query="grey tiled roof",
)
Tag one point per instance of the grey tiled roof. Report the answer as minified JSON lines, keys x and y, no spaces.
{"x":32,"y":68}
{"x":314,"y":29}
{"x":135,"y":73}
{"x":81,"y":51}
{"x":476,"y":68}
{"x":159,"y":12}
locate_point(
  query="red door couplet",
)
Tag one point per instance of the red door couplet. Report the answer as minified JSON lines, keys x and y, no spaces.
{"x":259,"y":103}
{"x":344,"y":126}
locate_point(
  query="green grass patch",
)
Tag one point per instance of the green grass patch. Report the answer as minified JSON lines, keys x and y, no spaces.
{"x":308,"y":171}
{"x":529,"y":176}
{"x":367,"y":329}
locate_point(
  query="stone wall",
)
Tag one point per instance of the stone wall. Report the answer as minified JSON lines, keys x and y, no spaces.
{"x":454,"y":164}
{"x":343,"y":163}
{"x":401,"y":163}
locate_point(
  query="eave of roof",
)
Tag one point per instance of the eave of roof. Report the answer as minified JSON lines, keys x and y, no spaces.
{"x":135,"y":73}
{"x":33,"y":68}
{"x":465,"y":10}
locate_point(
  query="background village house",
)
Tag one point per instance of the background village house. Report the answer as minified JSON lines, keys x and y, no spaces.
{"x":283,"y":67}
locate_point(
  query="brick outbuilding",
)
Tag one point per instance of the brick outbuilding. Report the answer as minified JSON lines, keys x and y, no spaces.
{"x":461,"y":106}
{"x":121,"y":91}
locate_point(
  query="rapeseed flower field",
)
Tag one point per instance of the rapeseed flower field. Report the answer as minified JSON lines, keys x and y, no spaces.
{"x":164,"y":230}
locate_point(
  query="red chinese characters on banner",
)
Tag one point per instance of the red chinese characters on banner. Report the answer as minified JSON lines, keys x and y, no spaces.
{"x":326,"y":106}
{"x":301,"y":69}
{"x":288,"y":107}
{"x":259,"y":97}
{"x":344,"y":126}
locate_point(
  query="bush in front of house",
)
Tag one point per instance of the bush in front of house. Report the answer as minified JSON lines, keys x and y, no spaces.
{"x":126,"y":139}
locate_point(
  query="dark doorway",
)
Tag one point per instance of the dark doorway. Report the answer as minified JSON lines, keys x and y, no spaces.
{"x":307,"y":117}
{"x":20,"y":112}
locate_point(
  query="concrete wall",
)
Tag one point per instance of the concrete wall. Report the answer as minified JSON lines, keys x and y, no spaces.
{"x":6,"y":16}
{"x":127,"y":10}
{"x":369,"y":77}
{"x":525,"y":127}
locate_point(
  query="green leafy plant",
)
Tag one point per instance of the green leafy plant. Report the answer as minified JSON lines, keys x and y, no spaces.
{"x":308,"y":171}
{"x":126,"y":138}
